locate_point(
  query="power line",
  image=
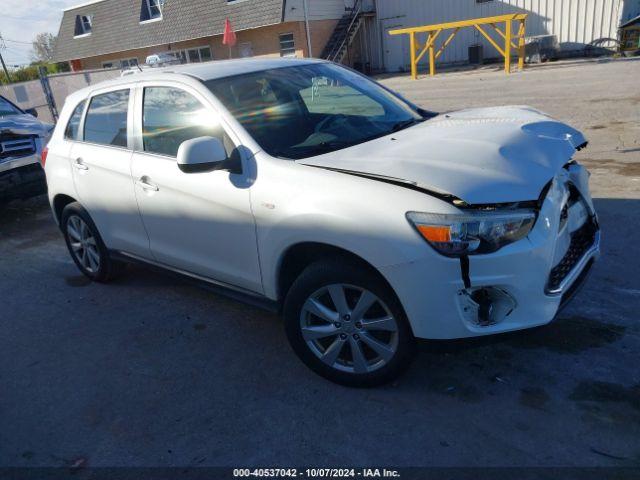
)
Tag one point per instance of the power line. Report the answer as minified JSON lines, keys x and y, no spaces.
{"x":13,"y":49}
{"x":18,"y":41}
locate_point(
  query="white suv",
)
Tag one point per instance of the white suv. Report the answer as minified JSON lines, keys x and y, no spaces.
{"x":366,"y":220}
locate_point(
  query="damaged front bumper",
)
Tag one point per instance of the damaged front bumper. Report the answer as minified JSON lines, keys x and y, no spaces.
{"x":13,"y":163}
{"x":22,"y":176}
{"x":520,"y":286}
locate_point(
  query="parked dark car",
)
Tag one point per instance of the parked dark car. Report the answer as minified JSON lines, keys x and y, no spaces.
{"x":22,"y":138}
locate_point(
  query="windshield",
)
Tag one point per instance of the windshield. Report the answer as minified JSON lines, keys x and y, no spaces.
{"x":7,"y":108}
{"x":302,"y":111}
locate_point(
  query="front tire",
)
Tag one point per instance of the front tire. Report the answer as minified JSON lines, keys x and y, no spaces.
{"x":346,"y":324}
{"x":85,"y":245}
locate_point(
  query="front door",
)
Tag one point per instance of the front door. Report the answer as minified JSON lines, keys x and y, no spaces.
{"x":101,"y":165}
{"x":197,"y":222}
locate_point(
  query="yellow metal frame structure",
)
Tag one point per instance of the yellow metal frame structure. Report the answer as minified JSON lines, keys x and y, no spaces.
{"x":433,"y":32}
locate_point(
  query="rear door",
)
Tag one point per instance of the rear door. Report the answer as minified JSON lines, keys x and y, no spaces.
{"x":201,"y":223}
{"x":101,"y":165}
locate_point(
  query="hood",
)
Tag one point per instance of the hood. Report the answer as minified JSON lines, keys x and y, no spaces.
{"x":25,"y":124}
{"x":484,"y":155}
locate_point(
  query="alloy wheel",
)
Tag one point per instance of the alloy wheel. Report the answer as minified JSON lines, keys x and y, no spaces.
{"x":349,"y":328}
{"x":83,"y":244}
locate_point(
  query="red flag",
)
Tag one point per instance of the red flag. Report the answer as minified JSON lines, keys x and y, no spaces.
{"x":229,"y":37}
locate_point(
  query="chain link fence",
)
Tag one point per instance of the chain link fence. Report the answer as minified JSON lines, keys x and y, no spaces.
{"x":47,"y":95}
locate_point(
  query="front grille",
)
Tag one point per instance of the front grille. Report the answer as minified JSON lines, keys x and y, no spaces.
{"x":581,"y":241}
{"x":16,"y":146}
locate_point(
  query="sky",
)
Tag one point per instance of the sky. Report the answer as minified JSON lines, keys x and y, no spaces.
{"x":22,"y":20}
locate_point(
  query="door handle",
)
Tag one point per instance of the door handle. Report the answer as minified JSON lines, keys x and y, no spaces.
{"x":80,"y":165}
{"x":145,"y":185}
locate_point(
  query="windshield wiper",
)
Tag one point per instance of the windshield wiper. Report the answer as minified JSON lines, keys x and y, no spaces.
{"x":323,"y":147}
{"x":405,"y":124}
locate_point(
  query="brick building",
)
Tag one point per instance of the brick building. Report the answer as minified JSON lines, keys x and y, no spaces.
{"x":122,"y":33}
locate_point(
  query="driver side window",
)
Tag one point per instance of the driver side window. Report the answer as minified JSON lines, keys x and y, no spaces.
{"x":327,"y":96}
{"x":171,"y":116}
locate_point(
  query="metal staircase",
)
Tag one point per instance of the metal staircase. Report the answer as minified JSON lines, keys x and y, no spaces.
{"x":344,"y":33}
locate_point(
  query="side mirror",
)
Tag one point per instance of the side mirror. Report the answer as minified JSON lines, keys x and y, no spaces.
{"x":32,"y":111}
{"x":202,"y":154}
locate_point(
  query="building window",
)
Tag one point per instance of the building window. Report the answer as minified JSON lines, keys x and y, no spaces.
{"x":83,"y":25}
{"x":128,"y":62}
{"x":155,"y":8}
{"x":287,"y":45}
{"x":151,"y":10}
{"x":193,"y":55}
{"x":122,"y":63}
{"x":484,"y":1}
{"x":246,"y":50}
{"x":205,"y":54}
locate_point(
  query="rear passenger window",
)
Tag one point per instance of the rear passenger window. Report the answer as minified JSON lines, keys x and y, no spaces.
{"x":71,"y":132}
{"x":106,"y":119}
{"x":172,"y":116}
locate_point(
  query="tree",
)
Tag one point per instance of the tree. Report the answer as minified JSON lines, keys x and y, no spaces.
{"x":30,"y":72}
{"x":43,"y":47}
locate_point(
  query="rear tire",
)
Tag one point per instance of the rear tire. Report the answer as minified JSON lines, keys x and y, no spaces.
{"x":347,"y":325}
{"x":85,"y":245}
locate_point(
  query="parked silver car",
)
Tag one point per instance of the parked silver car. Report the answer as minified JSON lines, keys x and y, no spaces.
{"x":22,"y":137}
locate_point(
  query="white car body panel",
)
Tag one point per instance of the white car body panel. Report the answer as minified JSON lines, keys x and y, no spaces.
{"x":295,"y":203}
{"x":106,"y":190}
{"x":237,"y":228}
{"x":487,"y":155}
{"x":212,"y":229}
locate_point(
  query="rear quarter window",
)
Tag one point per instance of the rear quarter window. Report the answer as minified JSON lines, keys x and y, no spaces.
{"x":106,"y":119}
{"x":73,"y":126}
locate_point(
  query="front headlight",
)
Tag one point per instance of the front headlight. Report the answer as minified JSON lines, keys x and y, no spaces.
{"x":472,"y":233}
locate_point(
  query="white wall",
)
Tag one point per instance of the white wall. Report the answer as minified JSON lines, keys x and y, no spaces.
{"x":575,"y":22}
{"x":317,"y":10}
{"x":28,"y":95}
{"x":321,"y":9}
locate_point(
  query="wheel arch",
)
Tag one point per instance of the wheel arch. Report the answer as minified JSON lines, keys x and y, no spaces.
{"x":60,"y":201}
{"x":300,"y":255}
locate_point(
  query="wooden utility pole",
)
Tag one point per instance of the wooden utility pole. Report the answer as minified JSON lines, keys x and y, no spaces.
{"x":4,"y":67}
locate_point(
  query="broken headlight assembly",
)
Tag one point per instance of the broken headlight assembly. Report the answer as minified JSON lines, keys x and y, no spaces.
{"x":455,"y":235}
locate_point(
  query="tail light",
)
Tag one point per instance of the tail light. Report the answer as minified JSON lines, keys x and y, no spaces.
{"x":43,"y":156}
